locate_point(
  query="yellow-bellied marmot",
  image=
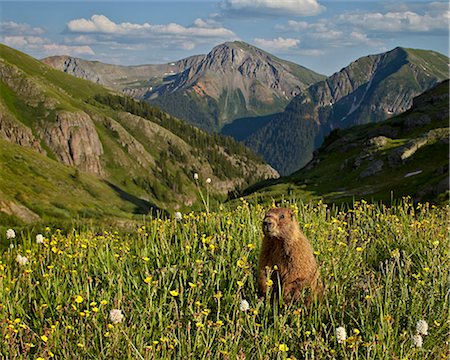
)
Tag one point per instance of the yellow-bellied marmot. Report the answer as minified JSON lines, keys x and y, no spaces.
{"x":285,"y":246}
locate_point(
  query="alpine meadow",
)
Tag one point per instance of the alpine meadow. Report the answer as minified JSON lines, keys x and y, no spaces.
{"x":224,"y":179}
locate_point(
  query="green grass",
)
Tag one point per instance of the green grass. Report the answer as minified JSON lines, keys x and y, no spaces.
{"x":179,"y":285}
{"x":55,"y":191}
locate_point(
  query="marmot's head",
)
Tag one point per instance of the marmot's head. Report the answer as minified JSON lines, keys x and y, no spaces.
{"x":280,"y":222}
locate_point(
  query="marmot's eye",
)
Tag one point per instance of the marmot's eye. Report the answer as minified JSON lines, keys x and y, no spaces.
{"x":281,"y":216}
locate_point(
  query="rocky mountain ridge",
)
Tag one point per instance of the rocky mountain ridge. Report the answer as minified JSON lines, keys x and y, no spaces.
{"x":371,"y":89}
{"x":233,"y":80}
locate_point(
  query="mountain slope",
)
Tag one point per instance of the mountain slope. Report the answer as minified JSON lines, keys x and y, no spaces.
{"x":34,"y":187}
{"x":405,"y":155}
{"x":140,"y":151}
{"x":371,"y":89}
{"x":234,"y":80}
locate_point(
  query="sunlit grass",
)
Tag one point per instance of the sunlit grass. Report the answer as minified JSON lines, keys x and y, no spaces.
{"x":180,"y":285}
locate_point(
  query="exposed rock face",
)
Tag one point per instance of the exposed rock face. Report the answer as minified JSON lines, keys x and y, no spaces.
{"x":74,"y":140}
{"x":28,"y":89}
{"x":133,"y":147}
{"x":17,"y":133}
{"x":403,"y":153}
{"x":233,"y":80}
{"x":18,"y":210}
{"x":372,"y":169}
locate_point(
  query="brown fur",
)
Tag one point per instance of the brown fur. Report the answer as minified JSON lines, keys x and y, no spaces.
{"x":285,"y":246}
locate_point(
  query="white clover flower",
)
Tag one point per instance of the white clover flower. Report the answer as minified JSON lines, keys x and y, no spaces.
{"x":116,"y":316}
{"x":244,"y":306}
{"x":417,"y":340}
{"x":341,"y":334}
{"x":10,"y":234}
{"x":195,"y":176}
{"x":39,"y":239}
{"x":22,"y":260}
{"x":422,"y":327}
{"x":208,"y":180}
{"x":178,"y":216}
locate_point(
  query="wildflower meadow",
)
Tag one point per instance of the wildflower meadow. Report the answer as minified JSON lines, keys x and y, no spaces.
{"x":185,"y":288}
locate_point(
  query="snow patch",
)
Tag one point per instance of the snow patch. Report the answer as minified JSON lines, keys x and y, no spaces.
{"x":413,"y":173}
{"x":356,"y":106}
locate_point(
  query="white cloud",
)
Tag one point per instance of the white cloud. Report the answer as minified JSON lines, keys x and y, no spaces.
{"x":100,"y":24}
{"x":20,"y":40}
{"x":58,"y":49}
{"x":398,"y":21}
{"x":208,"y":23}
{"x":277,"y":44}
{"x":293,"y":25}
{"x":272,"y":7}
{"x":43,"y":46}
{"x":310,"y":52}
{"x":328,"y":35}
{"x":13,"y":28}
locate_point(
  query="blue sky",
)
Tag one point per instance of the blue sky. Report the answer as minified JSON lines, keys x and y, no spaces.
{"x":321,"y":35}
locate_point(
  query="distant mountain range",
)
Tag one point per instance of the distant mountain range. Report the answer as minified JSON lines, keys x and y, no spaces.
{"x":371,"y":89}
{"x":406,"y":155}
{"x":73,"y":148}
{"x":279,"y":109}
{"x":232,"y":81}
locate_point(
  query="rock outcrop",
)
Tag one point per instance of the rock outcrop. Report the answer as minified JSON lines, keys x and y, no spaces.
{"x":74,"y":140}
{"x":17,"y":133}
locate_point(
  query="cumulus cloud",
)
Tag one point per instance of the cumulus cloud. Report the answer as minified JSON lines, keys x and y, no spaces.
{"x":100,"y":24}
{"x":53,"y":49}
{"x":20,"y":40}
{"x":14,"y":28}
{"x":43,"y":46}
{"x":398,"y":21}
{"x":272,"y":7}
{"x":293,"y":25}
{"x":278,"y":43}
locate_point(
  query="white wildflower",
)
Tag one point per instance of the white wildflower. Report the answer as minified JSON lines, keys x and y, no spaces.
{"x":341,"y":334}
{"x":195,"y":176}
{"x":22,"y":260}
{"x":10,"y":234}
{"x":178,"y":216}
{"x":116,"y":316}
{"x":208,"y":180}
{"x":417,"y":340}
{"x":244,"y":306}
{"x":422,"y":327}
{"x":39,"y":239}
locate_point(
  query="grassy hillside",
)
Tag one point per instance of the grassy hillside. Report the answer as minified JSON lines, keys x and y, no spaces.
{"x":405,"y":155}
{"x":179,"y":286}
{"x":138,"y":149}
{"x":50,"y":190}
